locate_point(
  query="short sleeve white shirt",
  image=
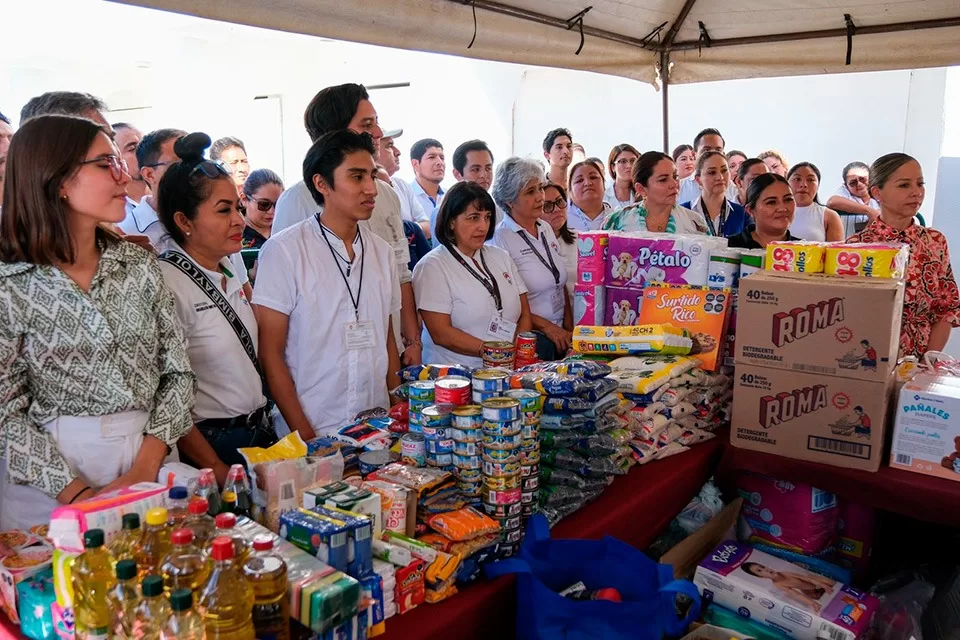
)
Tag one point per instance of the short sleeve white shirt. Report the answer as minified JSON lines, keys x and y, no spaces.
{"x":844,"y":192}
{"x":545,"y":291}
{"x":228,"y":384}
{"x":443,"y":285}
{"x":298,"y":276}
{"x":689,"y":189}
{"x":410,"y":207}
{"x":577,"y":220}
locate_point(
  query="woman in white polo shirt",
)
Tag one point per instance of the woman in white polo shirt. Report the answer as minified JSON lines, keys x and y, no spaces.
{"x":468,"y":293}
{"x":518,"y":190}
{"x":197,"y":202}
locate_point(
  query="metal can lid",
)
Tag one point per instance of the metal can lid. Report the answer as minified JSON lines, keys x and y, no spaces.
{"x":491,"y":374}
{"x":501,"y":403}
{"x":453,"y":382}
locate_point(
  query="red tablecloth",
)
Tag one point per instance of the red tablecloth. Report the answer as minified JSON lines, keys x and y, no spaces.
{"x":911,"y":494}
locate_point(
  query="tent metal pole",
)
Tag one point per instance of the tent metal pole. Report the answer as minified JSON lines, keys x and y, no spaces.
{"x":665,"y":97}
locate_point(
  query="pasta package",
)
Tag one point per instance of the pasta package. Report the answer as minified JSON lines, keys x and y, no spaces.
{"x":883,"y":260}
{"x":640,"y":339}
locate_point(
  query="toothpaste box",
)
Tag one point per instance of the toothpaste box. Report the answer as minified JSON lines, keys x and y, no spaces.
{"x":634,"y":259}
{"x":847,"y":327}
{"x":802,"y":604}
{"x":926,"y":435}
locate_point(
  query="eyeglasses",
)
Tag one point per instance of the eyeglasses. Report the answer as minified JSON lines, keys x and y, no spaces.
{"x":550,"y":205}
{"x":625,"y":162}
{"x":212,"y":169}
{"x":116,"y":164}
{"x":262,"y":205}
{"x":852,"y":182}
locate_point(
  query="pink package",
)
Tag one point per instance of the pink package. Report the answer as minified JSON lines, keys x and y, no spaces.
{"x":636,"y":259}
{"x":592,"y":257}
{"x":793,"y":516}
{"x":855,"y":545}
{"x":623,"y":307}
{"x":588,"y":304}
{"x":69,"y":522}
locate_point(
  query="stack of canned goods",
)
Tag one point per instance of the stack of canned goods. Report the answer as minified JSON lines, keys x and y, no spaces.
{"x":531,"y":407}
{"x":502,"y":432}
{"x":438,"y":445}
{"x":421,"y":394}
{"x":490,"y":383}
{"x":467,"y":436}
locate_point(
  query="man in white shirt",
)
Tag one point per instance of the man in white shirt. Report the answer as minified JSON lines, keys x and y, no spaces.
{"x":389,"y":159}
{"x":429,"y":169}
{"x":558,"y":152}
{"x":127,"y":140}
{"x":707,"y":140}
{"x":348,"y":106}
{"x":326,"y":288}
{"x":472,"y":162}
{"x":154,"y":155}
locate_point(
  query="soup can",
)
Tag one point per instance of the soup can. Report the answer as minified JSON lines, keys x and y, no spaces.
{"x":502,"y":510}
{"x":413,"y":449}
{"x":479,"y":397}
{"x":526,"y":349}
{"x":491,"y":380}
{"x":466,"y":449}
{"x":421,"y":390}
{"x":492,"y":496}
{"x":468,"y":417}
{"x":436,"y":416}
{"x":501,"y":410}
{"x":529,"y":399}
{"x":452,"y":390}
{"x":498,"y":354}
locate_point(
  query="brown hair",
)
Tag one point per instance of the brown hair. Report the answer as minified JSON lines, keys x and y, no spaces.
{"x":616,"y":151}
{"x":702,"y":160}
{"x":884,"y":167}
{"x":773,"y":153}
{"x":585,"y":163}
{"x":43,"y":154}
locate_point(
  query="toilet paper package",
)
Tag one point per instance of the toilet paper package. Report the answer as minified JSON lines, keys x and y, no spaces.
{"x":622,"y":307}
{"x":592,"y":257}
{"x":635,"y":259}
{"x":588,"y":304}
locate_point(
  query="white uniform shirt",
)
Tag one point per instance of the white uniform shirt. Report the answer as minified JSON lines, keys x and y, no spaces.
{"x":577,"y":220}
{"x":298,"y":276}
{"x":569,"y":254}
{"x":130,"y":205}
{"x":410,"y":207}
{"x":443,"y":285}
{"x":227,"y":382}
{"x":610,"y":197}
{"x":844,"y":192}
{"x":545,"y":293}
{"x":143,"y":220}
{"x":689,"y":189}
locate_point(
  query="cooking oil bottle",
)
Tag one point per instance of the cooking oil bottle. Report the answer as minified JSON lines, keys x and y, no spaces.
{"x":155,"y":543}
{"x":177,"y":499}
{"x":208,"y":489}
{"x":152,"y":612}
{"x":185,"y":566}
{"x":123,"y":599}
{"x":226,"y":601}
{"x":124,"y":545}
{"x":227,"y":526}
{"x":200,"y":522}
{"x":92,"y":579}
{"x":237,"y":497}
{"x":267,"y":574}
{"x":184,"y":622}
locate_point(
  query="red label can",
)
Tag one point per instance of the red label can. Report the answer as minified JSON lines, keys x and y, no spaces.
{"x":452,"y":390}
{"x":526,"y":349}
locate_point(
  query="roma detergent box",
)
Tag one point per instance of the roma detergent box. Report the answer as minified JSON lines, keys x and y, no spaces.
{"x":781,"y":595}
{"x":808,"y":416}
{"x":847,"y":327}
{"x":702,"y":311}
{"x":634,"y":259}
{"x":926,"y":435}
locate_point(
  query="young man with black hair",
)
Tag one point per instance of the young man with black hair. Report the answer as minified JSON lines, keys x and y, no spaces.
{"x":472,"y":162}
{"x":708,"y":139}
{"x":558,"y":151}
{"x":154,"y":155}
{"x":127,"y":140}
{"x":348,"y":106}
{"x":429,"y":169}
{"x":326,"y":290}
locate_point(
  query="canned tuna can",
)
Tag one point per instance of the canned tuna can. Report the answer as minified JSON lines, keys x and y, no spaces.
{"x":505,"y":551}
{"x":529,"y":399}
{"x":530,"y":444}
{"x":528,"y":510}
{"x":502,"y":484}
{"x":498,"y":354}
{"x":528,"y":497}
{"x":438,"y":446}
{"x":471,"y":489}
{"x":469,"y":475}
{"x":512,"y":428}
{"x":526,"y":349}
{"x":466,"y":449}
{"x":513,"y":536}
{"x":439,"y":459}
{"x":436,"y":416}
{"x":413,"y":450}
{"x":530,"y":483}
{"x":491,"y":496}
{"x":501,"y":469}
{"x":479,"y":397}
{"x":501,"y":410}
{"x":370,"y":461}
{"x":452,"y":390}
{"x":492,"y":441}
{"x":510,"y":523}
{"x":468,"y":417}
{"x":419,"y":405}
{"x":467,"y":435}
{"x":414,"y":427}
{"x":500,"y":456}
{"x":436,"y":433}
{"x":491,"y":380}
{"x":531,"y":433}
{"x":502,"y":510}
{"x":530,"y":470}
{"x":528,"y":458}
{"x":531,"y":418}
{"x":421,"y":390}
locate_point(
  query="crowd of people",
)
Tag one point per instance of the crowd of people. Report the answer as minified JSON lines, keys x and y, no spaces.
{"x":160,"y":299}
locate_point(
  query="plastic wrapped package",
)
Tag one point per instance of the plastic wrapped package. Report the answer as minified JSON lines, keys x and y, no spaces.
{"x":566,"y":405}
{"x":589,"y":369}
{"x":280,"y":484}
{"x":597,"y":389}
{"x":565,"y":478}
{"x":560,"y":439}
{"x":433,"y":371}
{"x":571,"y":461}
{"x":551,"y":384}
{"x":596,"y":446}
{"x":560,"y":422}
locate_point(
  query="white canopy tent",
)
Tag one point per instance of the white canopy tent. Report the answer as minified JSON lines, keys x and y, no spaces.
{"x":696,"y":40}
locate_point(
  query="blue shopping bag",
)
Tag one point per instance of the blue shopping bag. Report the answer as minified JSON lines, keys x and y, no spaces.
{"x":544,"y":567}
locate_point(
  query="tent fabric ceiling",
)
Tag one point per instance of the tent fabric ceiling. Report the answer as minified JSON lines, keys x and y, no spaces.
{"x":625,"y":37}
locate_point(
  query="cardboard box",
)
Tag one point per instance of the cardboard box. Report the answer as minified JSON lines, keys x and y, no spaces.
{"x":702,"y":311}
{"x":687,"y":554}
{"x":807,"y":416}
{"x":926,"y":435}
{"x":848,"y":327}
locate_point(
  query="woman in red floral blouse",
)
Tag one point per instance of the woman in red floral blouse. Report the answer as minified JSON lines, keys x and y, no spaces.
{"x":931,"y":305}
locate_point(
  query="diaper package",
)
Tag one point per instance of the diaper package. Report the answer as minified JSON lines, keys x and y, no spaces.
{"x":653,"y":338}
{"x":799,"y":256}
{"x":882,"y":260}
{"x":793,"y":516}
{"x":635,"y":259}
{"x":592,"y":257}
{"x":588,"y":303}
{"x":622,"y":307}
{"x":771,"y":591}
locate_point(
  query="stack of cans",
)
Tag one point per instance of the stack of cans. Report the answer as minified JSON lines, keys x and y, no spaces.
{"x":489,"y":383}
{"x":438,"y":445}
{"x":531,"y":408}
{"x":502,"y":433}
{"x":467,"y":435}
{"x":421,"y":396}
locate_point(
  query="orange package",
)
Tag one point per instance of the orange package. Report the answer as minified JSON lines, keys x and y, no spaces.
{"x":702,"y":311}
{"x":463,"y":524}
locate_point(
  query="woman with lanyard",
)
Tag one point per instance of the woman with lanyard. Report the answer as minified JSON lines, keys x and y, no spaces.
{"x":468,"y":293}
{"x":723,"y":218}
{"x":518,"y":190}
{"x":555,"y":214}
{"x":620,"y":165}
{"x":587,"y":211}
{"x":770,"y":202}
{"x":813,"y":221}
{"x":95,"y":384}
{"x":198,"y":204}
{"x":657,"y":183}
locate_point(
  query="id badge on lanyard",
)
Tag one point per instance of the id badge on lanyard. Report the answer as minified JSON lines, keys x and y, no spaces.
{"x":557,"y":301}
{"x":359,"y":335}
{"x":501,"y":329}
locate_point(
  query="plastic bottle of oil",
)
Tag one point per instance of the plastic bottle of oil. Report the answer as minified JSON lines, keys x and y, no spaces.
{"x":92,"y":579}
{"x":155,"y":543}
{"x":267,"y":574}
{"x":200,"y":522}
{"x":185,"y":567}
{"x":184,"y":622}
{"x":237,"y":497}
{"x":125,"y":544}
{"x":123,"y":599}
{"x":208,"y":489}
{"x":227,"y":526}
{"x":177,"y":500}
{"x":153,"y":610}
{"x":226,"y":601}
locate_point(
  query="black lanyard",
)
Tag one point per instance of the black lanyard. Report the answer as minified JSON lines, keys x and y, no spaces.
{"x":490,"y":285}
{"x":551,"y":266}
{"x":721,"y":219}
{"x":355,"y":301}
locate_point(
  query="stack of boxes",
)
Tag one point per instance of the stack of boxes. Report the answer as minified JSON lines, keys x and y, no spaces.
{"x":815,"y":357}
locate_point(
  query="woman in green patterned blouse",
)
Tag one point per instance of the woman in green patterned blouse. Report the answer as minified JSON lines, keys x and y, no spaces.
{"x":95,"y":384}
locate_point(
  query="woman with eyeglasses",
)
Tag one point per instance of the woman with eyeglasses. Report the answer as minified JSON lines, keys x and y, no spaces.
{"x":587,"y":210}
{"x":813,"y":221}
{"x":259,"y":202}
{"x":95,"y":383}
{"x":619,"y":192}
{"x":555,"y":214}
{"x":197,"y":202}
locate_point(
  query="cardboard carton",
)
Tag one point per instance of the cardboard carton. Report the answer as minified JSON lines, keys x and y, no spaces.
{"x":807,"y":416}
{"x":703,"y":311}
{"x":926,"y":435}
{"x":848,"y":327}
